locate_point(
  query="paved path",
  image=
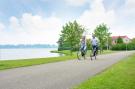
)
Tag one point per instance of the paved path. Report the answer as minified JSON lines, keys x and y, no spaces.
{"x":60,"y":75}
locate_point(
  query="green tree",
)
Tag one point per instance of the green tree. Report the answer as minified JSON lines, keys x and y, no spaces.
{"x":70,"y":36}
{"x":119,"y":40}
{"x":133,"y":41}
{"x":89,"y":44}
{"x":103,"y":34}
{"x":109,"y":42}
{"x":60,"y":43}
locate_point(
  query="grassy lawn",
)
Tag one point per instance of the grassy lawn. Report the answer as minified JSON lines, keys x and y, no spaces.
{"x":108,"y":51}
{"x":29,"y":62}
{"x":119,"y":76}
{"x":66,"y":52}
{"x":8,"y":64}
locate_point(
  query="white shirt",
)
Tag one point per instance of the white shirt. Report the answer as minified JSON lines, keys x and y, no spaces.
{"x":94,"y":41}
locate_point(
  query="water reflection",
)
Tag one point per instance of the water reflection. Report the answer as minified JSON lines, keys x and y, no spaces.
{"x":16,"y":54}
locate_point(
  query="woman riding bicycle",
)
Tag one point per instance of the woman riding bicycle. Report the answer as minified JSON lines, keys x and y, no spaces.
{"x":83,"y":45}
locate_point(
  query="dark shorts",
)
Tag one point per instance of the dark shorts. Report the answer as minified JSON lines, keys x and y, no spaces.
{"x":94,"y":47}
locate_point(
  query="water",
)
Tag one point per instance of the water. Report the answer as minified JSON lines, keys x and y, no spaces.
{"x":16,"y":54}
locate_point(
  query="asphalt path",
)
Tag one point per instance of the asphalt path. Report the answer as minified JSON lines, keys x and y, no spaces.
{"x":59,"y":75}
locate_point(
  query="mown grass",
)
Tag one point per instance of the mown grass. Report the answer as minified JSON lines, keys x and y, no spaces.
{"x":119,"y":76}
{"x":29,"y":62}
{"x":8,"y":64}
{"x":65,"y":52}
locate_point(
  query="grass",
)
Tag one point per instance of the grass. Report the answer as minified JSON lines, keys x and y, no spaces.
{"x":65,"y":52}
{"x":8,"y":64}
{"x":104,"y":52}
{"x":119,"y":76}
{"x":108,"y":51}
{"x":29,"y":62}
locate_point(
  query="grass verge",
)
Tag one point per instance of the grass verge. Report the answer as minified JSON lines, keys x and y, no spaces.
{"x":119,"y":76}
{"x":8,"y":64}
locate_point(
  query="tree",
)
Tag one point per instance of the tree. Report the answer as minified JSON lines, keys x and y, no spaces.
{"x":109,"y":42}
{"x":70,"y":36}
{"x":119,"y":40}
{"x":60,"y":42}
{"x":133,"y":41}
{"x":102,"y":33}
{"x":89,"y":47}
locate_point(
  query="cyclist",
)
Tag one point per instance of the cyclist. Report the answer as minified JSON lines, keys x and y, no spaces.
{"x":94,"y":42}
{"x":83,"y":45}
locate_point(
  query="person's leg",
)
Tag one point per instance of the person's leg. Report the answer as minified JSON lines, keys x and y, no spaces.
{"x":85,"y":48}
{"x":96,"y":50}
{"x":82,"y":50}
{"x":93,"y":47}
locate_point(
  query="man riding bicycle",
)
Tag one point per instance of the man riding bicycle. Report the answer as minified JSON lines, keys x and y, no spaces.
{"x":94,"y":42}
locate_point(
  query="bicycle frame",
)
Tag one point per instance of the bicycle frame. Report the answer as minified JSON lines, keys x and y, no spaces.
{"x":81,"y":54}
{"x":94,"y":52}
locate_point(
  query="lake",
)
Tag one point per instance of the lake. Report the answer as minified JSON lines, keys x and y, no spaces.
{"x":16,"y":54}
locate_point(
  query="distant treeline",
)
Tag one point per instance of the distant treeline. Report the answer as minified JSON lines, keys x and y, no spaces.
{"x":28,"y":46}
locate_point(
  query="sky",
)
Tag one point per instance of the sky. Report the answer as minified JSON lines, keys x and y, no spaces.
{"x":41,"y":21}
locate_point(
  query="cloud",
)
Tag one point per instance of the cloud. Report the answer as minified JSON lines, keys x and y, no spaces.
{"x":130,"y":4}
{"x":118,"y":22}
{"x":14,"y":24}
{"x":2,"y":26}
{"x":96,"y":15}
{"x":130,"y":7}
{"x":31,"y":29}
{"x":125,"y":22}
{"x":76,"y":2}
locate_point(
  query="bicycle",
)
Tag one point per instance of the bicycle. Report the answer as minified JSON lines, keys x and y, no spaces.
{"x":94,"y":52}
{"x":81,"y":54}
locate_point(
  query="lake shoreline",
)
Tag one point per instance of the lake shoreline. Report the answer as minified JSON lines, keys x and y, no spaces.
{"x":9,"y":64}
{"x":26,"y":53}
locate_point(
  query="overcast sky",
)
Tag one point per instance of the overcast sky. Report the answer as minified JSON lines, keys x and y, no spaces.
{"x":40,"y":21}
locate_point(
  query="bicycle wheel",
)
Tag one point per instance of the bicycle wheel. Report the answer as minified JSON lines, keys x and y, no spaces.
{"x":80,"y":55}
{"x":93,"y":55}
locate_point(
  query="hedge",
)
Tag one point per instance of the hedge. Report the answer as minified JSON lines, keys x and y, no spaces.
{"x":130,"y":46}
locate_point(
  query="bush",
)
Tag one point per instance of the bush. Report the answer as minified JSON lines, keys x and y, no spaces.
{"x":63,"y":48}
{"x":119,"y":47}
{"x":130,"y":46}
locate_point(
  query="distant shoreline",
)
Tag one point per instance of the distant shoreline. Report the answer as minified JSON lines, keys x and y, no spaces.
{"x":27,"y":46}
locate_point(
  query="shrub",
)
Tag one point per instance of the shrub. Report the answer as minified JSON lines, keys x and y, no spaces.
{"x":129,"y":46}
